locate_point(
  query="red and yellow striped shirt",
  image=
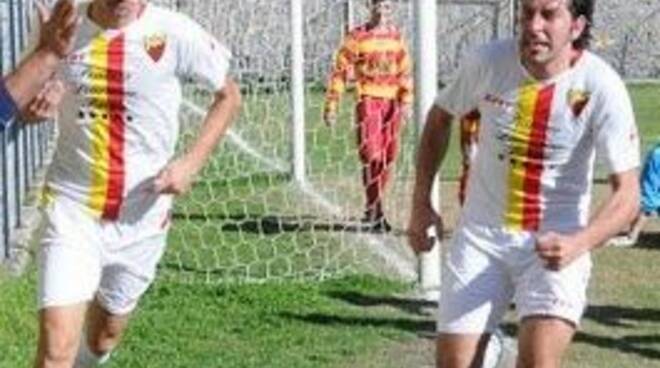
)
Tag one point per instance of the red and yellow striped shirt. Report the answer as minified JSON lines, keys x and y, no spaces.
{"x":119,"y":120}
{"x":380,"y":63}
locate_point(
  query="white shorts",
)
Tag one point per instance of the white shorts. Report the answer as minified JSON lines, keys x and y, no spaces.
{"x":485,"y":269}
{"x":82,"y":257}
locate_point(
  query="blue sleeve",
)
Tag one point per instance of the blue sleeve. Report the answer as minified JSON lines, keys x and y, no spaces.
{"x":7,"y":106}
{"x":650,"y":182}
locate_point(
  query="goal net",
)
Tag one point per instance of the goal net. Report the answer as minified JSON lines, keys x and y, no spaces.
{"x":246,"y":217}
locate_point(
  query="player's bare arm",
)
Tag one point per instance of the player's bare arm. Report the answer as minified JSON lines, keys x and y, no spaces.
{"x":176,"y":178}
{"x":45,"y":104}
{"x":56,"y":38}
{"x":432,"y":149}
{"x":559,"y":250}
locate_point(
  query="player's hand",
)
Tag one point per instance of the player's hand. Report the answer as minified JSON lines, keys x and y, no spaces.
{"x":556,"y":251}
{"x":176,"y":178}
{"x":57,"y":28}
{"x":45,"y":105}
{"x":423,"y":218}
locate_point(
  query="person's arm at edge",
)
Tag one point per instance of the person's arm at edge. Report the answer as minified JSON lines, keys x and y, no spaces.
{"x":431,"y":152}
{"x":8,"y":107}
{"x":57,"y":32}
{"x":27,"y":80}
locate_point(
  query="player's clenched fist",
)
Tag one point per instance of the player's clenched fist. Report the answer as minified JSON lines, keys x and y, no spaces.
{"x":558,"y":250}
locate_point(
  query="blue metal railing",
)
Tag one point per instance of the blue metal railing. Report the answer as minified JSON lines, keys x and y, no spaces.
{"x":22,"y":147}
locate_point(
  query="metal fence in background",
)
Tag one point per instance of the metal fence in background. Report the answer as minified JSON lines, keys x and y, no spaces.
{"x":23,"y":148}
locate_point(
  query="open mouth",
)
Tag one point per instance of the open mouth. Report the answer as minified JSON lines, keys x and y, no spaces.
{"x":535,"y":45}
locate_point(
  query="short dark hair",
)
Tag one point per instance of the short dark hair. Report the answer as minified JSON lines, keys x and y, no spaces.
{"x":583,"y":8}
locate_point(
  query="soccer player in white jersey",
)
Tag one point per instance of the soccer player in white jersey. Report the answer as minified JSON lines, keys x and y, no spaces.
{"x":548,"y":108}
{"x":109,"y":188}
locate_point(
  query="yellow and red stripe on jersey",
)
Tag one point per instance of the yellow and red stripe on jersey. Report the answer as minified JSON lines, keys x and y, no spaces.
{"x":527,"y":144}
{"x":379,"y":62}
{"x":107,"y":110}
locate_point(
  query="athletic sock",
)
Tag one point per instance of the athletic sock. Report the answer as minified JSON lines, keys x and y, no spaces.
{"x":87,"y":359}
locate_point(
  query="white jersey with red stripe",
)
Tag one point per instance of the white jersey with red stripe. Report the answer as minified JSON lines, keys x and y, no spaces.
{"x":538,"y":139}
{"x":119,"y":122}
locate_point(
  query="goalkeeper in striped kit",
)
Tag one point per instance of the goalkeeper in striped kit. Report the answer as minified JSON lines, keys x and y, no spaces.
{"x":376,"y":54}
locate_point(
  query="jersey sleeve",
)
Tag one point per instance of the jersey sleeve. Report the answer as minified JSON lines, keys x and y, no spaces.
{"x":617,"y":138}
{"x":7,"y":106}
{"x":343,"y":61}
{"x":201,"y":57}
{"x":461,"y":96}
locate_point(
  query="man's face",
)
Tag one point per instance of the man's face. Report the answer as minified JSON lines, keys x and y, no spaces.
{"x":381,"y":10}
{"x":122,"y":8}
{"x":547,"y":30}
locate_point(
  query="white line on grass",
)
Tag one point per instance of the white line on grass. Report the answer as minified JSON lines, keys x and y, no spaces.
{"x":236,"y":139}
{"x":404,"y":267}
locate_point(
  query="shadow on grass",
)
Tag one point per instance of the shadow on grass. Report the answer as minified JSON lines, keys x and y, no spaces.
{"x":617,"y":316}
{"x":648,"y":240}
{"x":619,"y":319}
{"x":278,"y":224}
{"x":422,"y":328}
{"x":419,"y":318}
{"x":408,"y":305}
{"x":630,"y":344}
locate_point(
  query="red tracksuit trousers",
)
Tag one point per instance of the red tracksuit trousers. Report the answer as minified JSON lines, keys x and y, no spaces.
{"x":378,"y":122}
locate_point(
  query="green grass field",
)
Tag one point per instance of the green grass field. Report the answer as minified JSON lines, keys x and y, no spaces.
{"x":257,"y":276}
